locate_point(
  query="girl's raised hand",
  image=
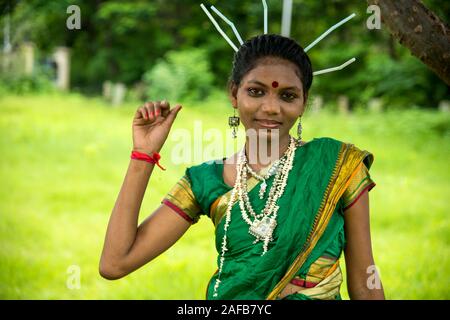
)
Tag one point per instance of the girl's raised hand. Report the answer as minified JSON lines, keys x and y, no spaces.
{"x":151,"y":125}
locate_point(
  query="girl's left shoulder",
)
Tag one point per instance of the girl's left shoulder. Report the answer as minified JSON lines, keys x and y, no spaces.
{"x":352,"y":151}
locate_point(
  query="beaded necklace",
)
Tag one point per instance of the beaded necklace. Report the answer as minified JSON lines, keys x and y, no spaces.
{"x":264,"y":223}
{"x":272,"y":170}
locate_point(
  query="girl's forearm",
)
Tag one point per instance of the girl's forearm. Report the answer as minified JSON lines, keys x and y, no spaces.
{"x":363,"y":292}
{"x":123,"y":223}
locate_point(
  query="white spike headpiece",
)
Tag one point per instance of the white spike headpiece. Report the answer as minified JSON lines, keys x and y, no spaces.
{"x":238,"y":36}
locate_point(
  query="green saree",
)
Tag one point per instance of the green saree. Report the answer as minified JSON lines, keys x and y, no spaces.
{"x":310,"y":224}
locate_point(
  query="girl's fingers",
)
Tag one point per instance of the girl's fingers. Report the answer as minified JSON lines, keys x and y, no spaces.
{"x":138,"y":114}
{"x":157,"y":109}
{"x":165,"y":108}
{"x":149,"y":106}
{"x":143,"y":113}
{"x":150,"y":111}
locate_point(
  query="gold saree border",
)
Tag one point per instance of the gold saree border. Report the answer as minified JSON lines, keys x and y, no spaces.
{"x":328,"y":288}
{"x":348,"y":159}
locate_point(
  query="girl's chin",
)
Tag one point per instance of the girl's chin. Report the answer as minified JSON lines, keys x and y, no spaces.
{"x":269,"y":134}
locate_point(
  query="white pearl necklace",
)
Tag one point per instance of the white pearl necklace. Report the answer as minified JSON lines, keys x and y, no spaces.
{"x":261,"y":229}
{"x":272,"y":170}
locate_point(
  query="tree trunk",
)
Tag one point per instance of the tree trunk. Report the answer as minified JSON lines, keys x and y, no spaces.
{"x":420,"y":30}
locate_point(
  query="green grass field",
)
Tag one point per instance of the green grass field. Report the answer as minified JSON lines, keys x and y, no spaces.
{"x":63,"y":159}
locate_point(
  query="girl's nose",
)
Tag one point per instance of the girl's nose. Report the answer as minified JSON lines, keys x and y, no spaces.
{"x":271,"y":105}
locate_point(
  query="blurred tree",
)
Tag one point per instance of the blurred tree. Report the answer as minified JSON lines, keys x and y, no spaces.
{"x":182,"y":74}
{"x":421,"y":31}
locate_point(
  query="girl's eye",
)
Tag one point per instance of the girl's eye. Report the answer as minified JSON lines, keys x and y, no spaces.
{"x":289,"y":96}
{"x":254,"y":92}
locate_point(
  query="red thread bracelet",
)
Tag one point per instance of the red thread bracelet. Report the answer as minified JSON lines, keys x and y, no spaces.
{"x":145,"y":157}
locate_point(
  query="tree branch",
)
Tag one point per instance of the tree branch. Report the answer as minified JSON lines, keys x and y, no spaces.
{"x":421,"y":31}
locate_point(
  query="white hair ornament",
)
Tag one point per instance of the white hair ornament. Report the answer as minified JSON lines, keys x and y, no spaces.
{"x":238,"y":36}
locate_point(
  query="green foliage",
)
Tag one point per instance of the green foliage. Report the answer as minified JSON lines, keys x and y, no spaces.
{"x":181,"y":75}
{"x":18,"y":83}
{"x":120,"y":41}
{"x":390,"y":79}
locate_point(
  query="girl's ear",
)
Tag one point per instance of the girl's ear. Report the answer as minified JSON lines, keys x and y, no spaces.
{"x":306,"y":104}
{"x":232,"y":93}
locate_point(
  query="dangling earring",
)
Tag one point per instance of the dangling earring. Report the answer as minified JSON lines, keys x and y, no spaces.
{"x":234,"y":123}
{"x":299,"y":128}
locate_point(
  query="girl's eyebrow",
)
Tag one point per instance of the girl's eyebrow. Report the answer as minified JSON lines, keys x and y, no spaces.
{"x":266,"y":86}
{"x":257,"y":82}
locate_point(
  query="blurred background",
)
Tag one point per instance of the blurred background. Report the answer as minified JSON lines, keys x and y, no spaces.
{"x":72,"y":74}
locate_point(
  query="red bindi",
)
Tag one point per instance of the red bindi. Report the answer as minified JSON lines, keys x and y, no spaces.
{"x":275,"y":84}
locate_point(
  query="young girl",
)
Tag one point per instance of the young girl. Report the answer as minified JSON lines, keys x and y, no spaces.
{"x":280,"y":228}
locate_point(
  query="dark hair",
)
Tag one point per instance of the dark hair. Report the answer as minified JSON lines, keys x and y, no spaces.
{"x":271,"y":45}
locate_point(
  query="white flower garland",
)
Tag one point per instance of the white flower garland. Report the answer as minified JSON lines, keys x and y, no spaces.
{"x":270,"y":209}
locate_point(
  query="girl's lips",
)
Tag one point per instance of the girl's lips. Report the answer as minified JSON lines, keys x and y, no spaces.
{"x":268,"y":124}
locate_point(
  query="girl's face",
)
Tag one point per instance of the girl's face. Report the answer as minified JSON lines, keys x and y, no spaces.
{"x":270,"y":97}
